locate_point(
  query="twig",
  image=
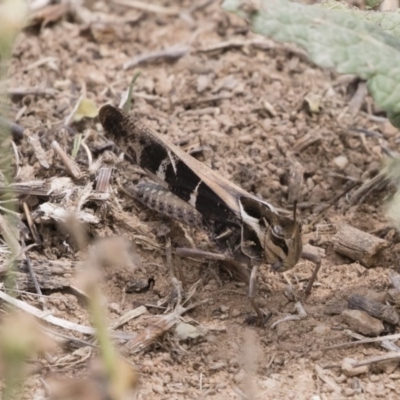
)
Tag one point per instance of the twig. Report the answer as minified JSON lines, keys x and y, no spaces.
{"x":16,"y":155}
{"x":148,"y":7}
{"x":31,"y":224}
{"x":378,"y":182}
{"x":162,"y":325}
{"x":37,"y":90}
{"x":328,"y":380}
{"x":234,"y":43}
{"x":131,"y":314}
{"x":376,"y":359}
{"x":386,"y":344}
{"x":71,"y":166}
{"x":170,"y":53}
{"x":318,"y":217}
{"x":149,"y":97}
{"x":168,"y":254}
{"x":364,"y":341}
{"x":208,"y":99}
{"x":66,"y":337}
{"x":374,"y":308}
{"x":35,"y":188}
{"x":32,"y":272}
{"x":199,"y":254}
{"x":367,"y":132}
{"x":57,"y":321}
{"x":307,"y":140}
{"x":103,"y":180}
{"x":88,"y":153}
{"x":358,"y":245}
{"x":288,"y":318}
{"x":199,"y":6}
{"x":37,"y":149}
{"x":73,"y":111}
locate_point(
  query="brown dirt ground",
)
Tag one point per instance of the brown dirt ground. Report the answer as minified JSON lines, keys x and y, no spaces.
{"x":244,"y":103}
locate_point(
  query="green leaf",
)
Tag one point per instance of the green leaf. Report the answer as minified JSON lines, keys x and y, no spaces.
{"x":127,"y":105}
{"x":334,"y":39}
{"x":372,"y":3}
{"x":77,"y":145}
{"x":387,"y":21}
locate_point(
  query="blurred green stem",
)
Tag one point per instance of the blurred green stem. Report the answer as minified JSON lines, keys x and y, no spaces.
{"x":12,"y":18}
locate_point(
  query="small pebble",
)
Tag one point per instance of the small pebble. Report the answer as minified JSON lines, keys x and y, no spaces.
{"x":316,"y":355}
{"x":158,"y":389}
{"x":278,"y":360}
{"x":341,"y":378}
{"x":211,"y":339}
{"x":238,"y":378}
{"x":341,"y":162}
{"x":206,"y":349}
{"x":233,"y":361}
{"x":186,"y":331}
{"x":349,"y":370}
{"x":363,"y":323}
{"x":220,"y":385}
{"x":348,"y":392}
{"x":147,"y":363}
{"x":235,"y":313}
{"x":217,"y":366}
{"x":202,"y":83}
{"x":321,"y":329}
{"x":115,"y":308}
{"x":224,"y":309}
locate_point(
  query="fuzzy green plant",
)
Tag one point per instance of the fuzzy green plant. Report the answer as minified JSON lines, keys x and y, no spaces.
{"x":12,"y":18}
{"x":335,"y":38}
{"x":346,"y":39}
{"x":13,"y":14}
{"x":120,"y":377}
{"x":21,"y":339}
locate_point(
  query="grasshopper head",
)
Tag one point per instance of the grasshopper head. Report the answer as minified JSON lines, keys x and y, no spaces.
{"x":280,"y":236}
{"x":282,"y":242}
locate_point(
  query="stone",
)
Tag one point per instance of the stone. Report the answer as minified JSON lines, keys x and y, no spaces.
{"x":341,"y":162}
{"x":322,"y":329}
{"x":349,"y":370}
{"x":361,"y":322}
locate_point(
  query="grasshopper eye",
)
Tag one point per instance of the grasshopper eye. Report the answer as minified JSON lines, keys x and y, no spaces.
{"x":278,"y":231}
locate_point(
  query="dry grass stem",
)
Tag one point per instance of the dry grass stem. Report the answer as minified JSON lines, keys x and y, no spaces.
{"x":149,"y":7}
{"x":103,"y":180}
{"x":71,"y":166}
{"x":171,"y":53}
{"x":45,"y":316}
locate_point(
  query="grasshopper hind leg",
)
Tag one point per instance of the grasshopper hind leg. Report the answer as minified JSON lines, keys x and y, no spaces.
{"x":235,"y":267}
{"x":160,"y":199}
